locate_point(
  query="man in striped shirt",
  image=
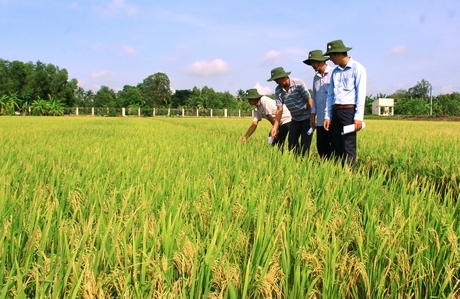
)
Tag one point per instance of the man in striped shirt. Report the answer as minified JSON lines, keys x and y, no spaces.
{"x":345,"y":101}
{"x":293,"y":93}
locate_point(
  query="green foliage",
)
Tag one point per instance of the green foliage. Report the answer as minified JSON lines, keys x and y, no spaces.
{"x":421,"y":90}
{"x":22,"y":84}
{"x":52,"y":107}
{"x":447,"y":104}
{"x":156,"y":90}
{"x":130,"y":96}
{"x":105,"y":97}
{"x":9,"y":104}
{"x":179,"y":98}
{"x":29,"y":81}
{"x":412,"y":106}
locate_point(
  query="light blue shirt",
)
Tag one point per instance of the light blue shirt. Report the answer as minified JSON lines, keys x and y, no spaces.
{"x":348,"y":86}
{"x":319,"y":95}
{"x":295,"y":99}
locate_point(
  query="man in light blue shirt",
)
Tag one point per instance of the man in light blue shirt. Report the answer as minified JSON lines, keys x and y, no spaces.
{"x":345,"y":101}
{"x":321,"y":81}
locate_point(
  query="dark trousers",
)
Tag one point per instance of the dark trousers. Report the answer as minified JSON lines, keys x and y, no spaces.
{"x":344,"y":145}
{"x":299,"y":129}
{"x":283,"y":131}
{"x":323,"y":143}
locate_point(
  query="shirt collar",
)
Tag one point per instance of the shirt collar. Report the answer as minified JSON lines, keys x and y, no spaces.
{"x":349,"y":63}
{"x":326,"y":71}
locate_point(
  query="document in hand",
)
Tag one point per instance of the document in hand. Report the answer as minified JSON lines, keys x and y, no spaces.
{"x":351,"y":128}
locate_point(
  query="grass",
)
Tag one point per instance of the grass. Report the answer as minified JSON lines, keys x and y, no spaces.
{"x":178,"y":208}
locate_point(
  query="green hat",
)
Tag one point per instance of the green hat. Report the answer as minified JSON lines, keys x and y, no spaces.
{"x":315,"y":55}
{"x":277,"y":73}
{"x":252,"y":94}
{"x":336,"y":46}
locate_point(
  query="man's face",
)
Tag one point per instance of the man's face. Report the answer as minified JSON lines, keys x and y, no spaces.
{"x":335,"y":58}
{"x":315,"y":65}
{"x":254,"y":102}
{"x":282,"y":81}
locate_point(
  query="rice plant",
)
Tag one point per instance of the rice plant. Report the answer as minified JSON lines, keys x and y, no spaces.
{"x":179,"y":208}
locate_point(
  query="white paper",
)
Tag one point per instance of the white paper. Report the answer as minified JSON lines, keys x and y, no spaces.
{"x":310,"y":131}
{"x":351,"y":128}
{"x":271,"y":140}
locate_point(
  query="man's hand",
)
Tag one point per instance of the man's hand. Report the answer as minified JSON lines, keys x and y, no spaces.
{"x":274,"y":132}
{"x":358,"y":125}
{"x":313,"y":122}
{"x":243,"y":140}
{"x":326,"y":124}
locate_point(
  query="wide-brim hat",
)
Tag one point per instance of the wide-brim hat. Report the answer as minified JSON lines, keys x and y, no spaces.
{"x":252,"y":94}
{"x":277,"y":73}
{"x":315,"y":55}
{"x":336,"y":46}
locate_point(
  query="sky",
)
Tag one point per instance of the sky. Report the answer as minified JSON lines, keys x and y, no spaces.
{"x":230,"y":45}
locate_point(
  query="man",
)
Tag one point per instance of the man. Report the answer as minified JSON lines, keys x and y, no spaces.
{"x":321,"y":81}
{"x":265,"y":107}
{"x":293,"y":93}
{"x":345,"y":101}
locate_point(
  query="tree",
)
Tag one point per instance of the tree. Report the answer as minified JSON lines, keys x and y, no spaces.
{"x":156,"y":90}
{"x":421,"y":90}
{"x":227,"y":100}
{"x":447,"y":104}
{"x":105,"y":97}
{"x":368,"y":105}
{"x":240,"y":95}
{"x":400,"y":94}
{"x":130,"y":96}
{"x":180,"y":98}
{"x":412,"y":106}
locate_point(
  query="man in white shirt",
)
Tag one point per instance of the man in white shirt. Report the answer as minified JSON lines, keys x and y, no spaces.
{"x":265,"y":107}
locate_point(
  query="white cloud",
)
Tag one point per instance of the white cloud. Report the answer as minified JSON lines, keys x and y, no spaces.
{"x":205,"y":68}
{"x":263,"y":90}
{"x":130,"y":51}
{"x":397,"y":50}
{"x":272,"y":56}
{"x":447,"y":89}
{"x":102,"y":74}
{"x":116,"y":7}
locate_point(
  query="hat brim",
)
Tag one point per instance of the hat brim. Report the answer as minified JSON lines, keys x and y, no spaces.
{"x":253,"y":97}
{"x":341,"y":50}
{"x":309,"y":61}
{"x":279,"y":76}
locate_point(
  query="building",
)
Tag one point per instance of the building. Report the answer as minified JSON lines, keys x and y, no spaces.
{"x":383,"y":107}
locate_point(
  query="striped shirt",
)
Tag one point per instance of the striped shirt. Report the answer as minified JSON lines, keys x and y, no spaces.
{"x":295,"y":99}
{"x":348,"y":86}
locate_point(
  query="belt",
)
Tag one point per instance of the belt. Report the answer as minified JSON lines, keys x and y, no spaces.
{"x":347,"y":106}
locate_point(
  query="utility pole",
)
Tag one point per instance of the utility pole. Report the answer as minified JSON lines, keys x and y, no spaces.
{"x":431,"y":100}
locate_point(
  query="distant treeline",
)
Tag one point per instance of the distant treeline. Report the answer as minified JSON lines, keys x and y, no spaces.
{"x":47,"y":89}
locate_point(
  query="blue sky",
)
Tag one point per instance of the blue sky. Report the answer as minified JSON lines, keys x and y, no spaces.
{"x":232,"y":44}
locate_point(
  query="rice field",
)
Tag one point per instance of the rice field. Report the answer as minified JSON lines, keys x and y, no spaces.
{"x":179,"y":208}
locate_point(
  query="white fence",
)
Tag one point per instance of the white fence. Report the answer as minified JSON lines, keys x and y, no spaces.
{"x":158,"y":112}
